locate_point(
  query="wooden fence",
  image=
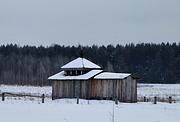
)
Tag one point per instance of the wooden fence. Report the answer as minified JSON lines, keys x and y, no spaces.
{"x":8,"y":94}
{"x":154,"y":99}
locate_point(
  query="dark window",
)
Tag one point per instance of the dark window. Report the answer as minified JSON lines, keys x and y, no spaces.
{"x":78,"y":72}
{"x":67,"y":73}
{"x":75,"y":72}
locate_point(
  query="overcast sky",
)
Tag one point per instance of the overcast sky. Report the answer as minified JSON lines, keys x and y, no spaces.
{"x":87,"y":22}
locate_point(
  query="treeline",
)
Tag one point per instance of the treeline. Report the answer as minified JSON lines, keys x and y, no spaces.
{"x":30,"y":65}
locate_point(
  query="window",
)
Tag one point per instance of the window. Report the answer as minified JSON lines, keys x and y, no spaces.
{"x":75,"y":72}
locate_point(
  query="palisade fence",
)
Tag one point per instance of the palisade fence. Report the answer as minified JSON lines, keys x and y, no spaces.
{"x":154,"y":100}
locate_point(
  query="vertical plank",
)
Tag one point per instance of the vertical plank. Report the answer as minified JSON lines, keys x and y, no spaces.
{"x":89,"y":89}
{"x":155,"y":100}
{"x":113,"y":90}
{"x":43,"y":96}
{"x":116,"y":101}
{"x":120,"y":90}
{"x":53,"y":90}
{"x":117,"y":89}
{"x":74,"y":95}
{"x":144,"y":99}
{"x":80,"y":89}
{"x":78,"y":99}
{"x":135,"y":94}
{"x":60,"y":89}
{"x":170,"y":99}
{"x":3,"y":96}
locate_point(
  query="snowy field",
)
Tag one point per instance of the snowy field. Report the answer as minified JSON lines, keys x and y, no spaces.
{"x":159,"y":90}
{"x":26,"y":89}
{"x":148,"y":90}
{"x":66,"y":110}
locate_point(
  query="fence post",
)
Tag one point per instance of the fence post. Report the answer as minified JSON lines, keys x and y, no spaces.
{"x":43,"y":96}
{"x":116,"y":101}
{"x":155,"y":100}
{"x":147,"y":100}
{"x":78,"y":100}
{"x":3,"y":96}
{"x":170,"y":99}
{"x":144,"y":98}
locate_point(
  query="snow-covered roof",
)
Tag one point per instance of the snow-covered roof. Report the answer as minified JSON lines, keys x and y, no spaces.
{"x":61,"y":76}
{"x":110,"y":75}
{"x":80,"y":63}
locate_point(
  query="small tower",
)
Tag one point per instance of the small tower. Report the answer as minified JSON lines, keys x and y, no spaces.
{"x":79,"y":66}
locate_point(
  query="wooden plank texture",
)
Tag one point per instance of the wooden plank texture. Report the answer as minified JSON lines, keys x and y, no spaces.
{"x":124,"y":90}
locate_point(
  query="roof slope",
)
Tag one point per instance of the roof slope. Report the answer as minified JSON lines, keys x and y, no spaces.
{"x":88,"y":75}
{"x":110,"y":75}
{"x":80,"y":63}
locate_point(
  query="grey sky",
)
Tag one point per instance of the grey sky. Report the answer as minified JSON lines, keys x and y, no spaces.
{"x":87,"y":22}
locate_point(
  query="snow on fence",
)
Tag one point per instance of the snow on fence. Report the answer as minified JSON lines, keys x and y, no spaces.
{"x":154,"y":99}
{"x":146,"y":92}
{"x":8,"y":94}
{"x":161,"y":91}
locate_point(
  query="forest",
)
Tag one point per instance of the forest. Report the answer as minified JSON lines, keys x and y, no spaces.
{"x":31,"y":65}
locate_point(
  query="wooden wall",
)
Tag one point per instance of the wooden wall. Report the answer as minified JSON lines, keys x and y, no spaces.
{"x":69,"y":89}
{"x":124,"y":90}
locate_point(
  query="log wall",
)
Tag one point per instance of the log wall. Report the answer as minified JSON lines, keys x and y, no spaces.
{"x":69,"y":89}
{"x":124,"y":90}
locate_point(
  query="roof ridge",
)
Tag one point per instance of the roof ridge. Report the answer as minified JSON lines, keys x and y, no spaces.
{"x":80,"y":63}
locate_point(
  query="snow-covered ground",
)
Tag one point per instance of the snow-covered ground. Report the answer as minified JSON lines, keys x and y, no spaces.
{"x":159,"y":90}
{"x":34,"y":90}
{"x":67,"y":110}
{"x":148,"y":90}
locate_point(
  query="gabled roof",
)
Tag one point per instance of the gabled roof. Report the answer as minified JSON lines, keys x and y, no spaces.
{"x":88,"y":75}
{"x":110,"y":75}
{"x":80,"y":63}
